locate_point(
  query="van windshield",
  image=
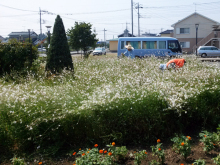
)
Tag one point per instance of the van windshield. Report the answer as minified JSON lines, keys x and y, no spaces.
{"x":174,"y":46}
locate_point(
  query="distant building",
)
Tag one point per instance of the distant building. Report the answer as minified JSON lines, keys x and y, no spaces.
{"x":166,"y":33}
{"x":126,"y":34}
{"x":1,"y":38}
{"x":185,"y":31}
{"x":113,"y":45}
{"x":22,"y":36}
{"x":148,"y":35}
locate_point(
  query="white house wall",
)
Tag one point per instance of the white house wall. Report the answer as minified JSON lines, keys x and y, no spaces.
{"x":205,"y":27}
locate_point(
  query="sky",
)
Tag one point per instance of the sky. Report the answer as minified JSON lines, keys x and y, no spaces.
{"x":113,"y":16}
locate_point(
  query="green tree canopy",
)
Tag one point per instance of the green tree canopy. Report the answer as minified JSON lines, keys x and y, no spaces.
{"x":82,"y":37}
{"x":58,"y":56}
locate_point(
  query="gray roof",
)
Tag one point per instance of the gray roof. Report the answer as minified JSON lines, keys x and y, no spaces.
{"x":114,"y":39}
{"x":195,"y":13}
{"x":167,"y":32}
{"x":32,"y":33}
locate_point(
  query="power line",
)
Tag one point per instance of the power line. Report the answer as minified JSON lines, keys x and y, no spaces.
{"x":110,"y":11}
{"x":182,"y":5}
{"x":17,"y":8}
{"x":18,"y":15}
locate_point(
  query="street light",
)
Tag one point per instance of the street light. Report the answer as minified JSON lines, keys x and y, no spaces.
{"x":197,"y":26}
{"x":48,"y":29}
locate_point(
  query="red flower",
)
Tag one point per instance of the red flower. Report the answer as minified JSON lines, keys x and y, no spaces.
{"x":204,"y":135}
{"x":101,"y":151}
{"x":96,"y":145}
{"x":145,"y":152}
{"x":182,"y":144}
{"x":40,"y":163}
{"x":105,"y":151}
{"x":74,"y":153}
{"x":109,"y":153}
{"x":83,"y":154}
{"x":159,"y":149}
{"x":158,"y":140}
{"x":113,"y":143}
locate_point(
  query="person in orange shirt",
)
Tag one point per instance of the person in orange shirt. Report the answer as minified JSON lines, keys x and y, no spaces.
{"x":174,"y":63}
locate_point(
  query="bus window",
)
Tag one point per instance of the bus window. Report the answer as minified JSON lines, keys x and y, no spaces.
{"x":134,"y":44}
{"x":162,"y":44}
{"x":174,"y":46}
{"x":122,"y":45}
{"x":149,"y":45}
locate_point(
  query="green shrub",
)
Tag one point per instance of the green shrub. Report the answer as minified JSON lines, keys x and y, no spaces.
{"x":58,"y":56}
{"x":202,"y":110}
{"x":16,"y":56}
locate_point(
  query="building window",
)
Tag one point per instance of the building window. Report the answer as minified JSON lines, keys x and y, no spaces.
{"x":184,"y":30}
{"x":185,"y":44}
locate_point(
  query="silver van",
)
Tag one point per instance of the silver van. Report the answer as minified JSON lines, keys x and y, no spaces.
{"x":205,"y":51}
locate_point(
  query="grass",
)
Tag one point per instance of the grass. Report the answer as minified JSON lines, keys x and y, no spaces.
{"x":127,"y":101}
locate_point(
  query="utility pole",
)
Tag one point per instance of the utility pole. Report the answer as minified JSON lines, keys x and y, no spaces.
{"x":41,"y":33}
{"x":138,"y":7}
{"x":41,"y":29}
{"x":132,"y":17}
{"x":104,"y":37}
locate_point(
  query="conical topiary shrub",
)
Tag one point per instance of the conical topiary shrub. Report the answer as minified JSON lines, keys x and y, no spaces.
{"x":59,"y":57}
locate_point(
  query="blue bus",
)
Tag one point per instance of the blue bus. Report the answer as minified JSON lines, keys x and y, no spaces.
{"x":150,"y":46}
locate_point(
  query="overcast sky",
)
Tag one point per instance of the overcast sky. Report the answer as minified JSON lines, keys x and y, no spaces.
{"x":111,"y":15}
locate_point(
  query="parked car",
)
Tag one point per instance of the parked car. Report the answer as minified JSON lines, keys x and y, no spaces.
{"x":99,"y":51}
{"x":43,"y":49}
{"x":205,"y":51}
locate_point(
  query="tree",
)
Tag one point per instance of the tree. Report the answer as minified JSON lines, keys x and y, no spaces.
{"x":81,"y":37}
{"x":59,"y":56}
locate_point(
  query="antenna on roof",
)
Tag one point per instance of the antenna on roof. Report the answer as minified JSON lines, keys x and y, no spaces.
{"x":195,"y":7}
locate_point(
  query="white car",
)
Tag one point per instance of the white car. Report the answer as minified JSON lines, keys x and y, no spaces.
{"x":99,"y":51}
{"x":44,"y":49}
{"x":205,"y":51}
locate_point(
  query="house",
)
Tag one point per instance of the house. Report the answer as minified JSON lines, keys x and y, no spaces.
{"x":40,"y":39}
{"x":113,"y":43}
{"x":166,"y":33}
{"x":126,"y":34}
{"x":22,"y":36}
{"x":207,"y":32}
{"x":1,"y":39}
{"x":148,"y":35}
